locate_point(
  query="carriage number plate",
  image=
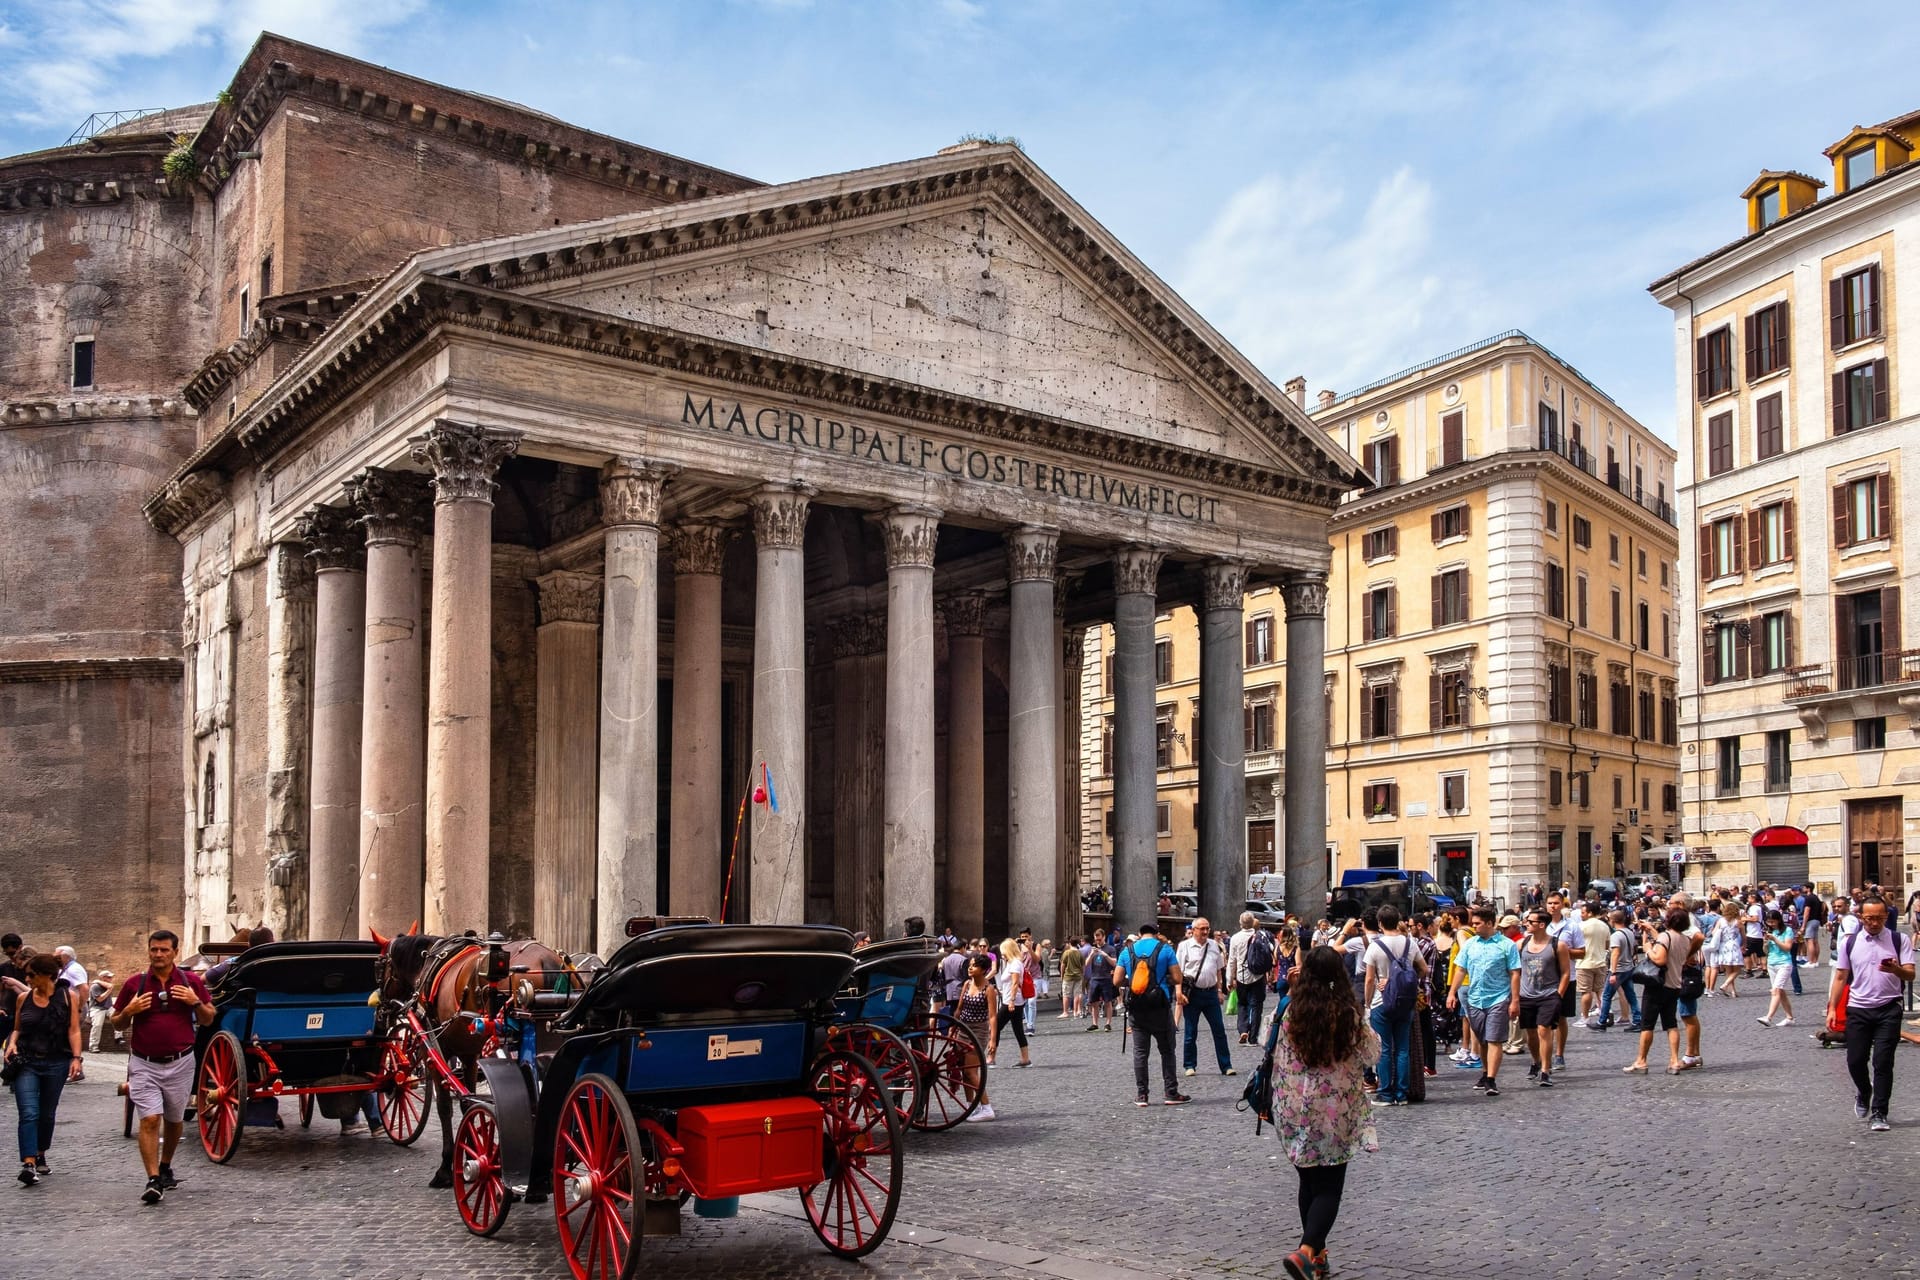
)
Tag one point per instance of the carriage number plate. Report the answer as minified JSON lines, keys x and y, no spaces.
{"x":719,"y":1048}
{"x":314,"y":1021}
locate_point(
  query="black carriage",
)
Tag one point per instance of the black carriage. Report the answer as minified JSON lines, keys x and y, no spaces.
{"x":933,"y":1064}
{"x":695,"y":1065}
{"x":292,"y":1019}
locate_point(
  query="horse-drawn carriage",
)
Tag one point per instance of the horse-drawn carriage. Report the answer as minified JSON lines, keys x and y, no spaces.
{"x":933,"y":1064}
{"x":297,"y":1019}
{"x":696,"y":1064}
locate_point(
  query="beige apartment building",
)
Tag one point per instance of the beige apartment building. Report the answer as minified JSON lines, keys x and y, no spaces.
{"x":1502,"y":636}
{"x":1800,"y":696}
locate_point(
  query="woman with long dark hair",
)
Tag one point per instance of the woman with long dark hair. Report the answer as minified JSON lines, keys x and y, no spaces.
{"x":1320,"y":1101}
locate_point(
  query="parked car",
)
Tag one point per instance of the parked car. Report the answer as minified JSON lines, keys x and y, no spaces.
{"x":1640,"y":886}
{"x":1267,"y":913}
{"x":1180,"y":904}
{"x":1428,"y":894}
{"x":1604,"y":888}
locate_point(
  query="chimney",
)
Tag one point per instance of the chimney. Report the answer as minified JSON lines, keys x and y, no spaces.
{"x":1297,"y":390}
{"x":1326,"y":400}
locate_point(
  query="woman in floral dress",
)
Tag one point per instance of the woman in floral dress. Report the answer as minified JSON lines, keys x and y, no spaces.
{"x":1320,"y":1100}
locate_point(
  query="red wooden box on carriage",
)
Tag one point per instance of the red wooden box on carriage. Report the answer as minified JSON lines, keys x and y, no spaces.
{"x":738,"y":1148}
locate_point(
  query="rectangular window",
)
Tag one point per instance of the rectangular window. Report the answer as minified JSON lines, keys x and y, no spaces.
{"x":1860,"y":397}
{"x":1583,"y":790}
{"x":1643,"y":704}
{"x":1767,"y":341}
{"x":1669,"y":797}
{"x":1769,"y":435}
{"x":1613,"y":548}
{"x":1163,"y":739}
{"x":1450,"y":597}
{"x":1553,"y":517}
{"x":1453,"y":793}
{"x":82,"y":363}
{"x":1379,"y":618}
{"x":1556,"y":591}
{"x":1780,"y":760}
{"x":1447,"y":706}
{"x":1719,"y":444}
{"x":1451,"y":523}
{"x":266,"y":277}
{"x":1615,"y":608}
{"x":1259,"y":726}
{"x":1854,"y":306}
{"x":1382,"y":799}
{"x":1453,"y":439}
{"x":1771,"y":530}
{"x":1259,"y":639}
{"x":1106,"y":747}
{"x":1860,"y":165}
{"x":1580,"y":600}
{"x":1549,"y":427}
{"x":1666,"y":634}
{"x":1582,"y":532}
{"x":1870,"y":733}
{"x":1645,"y":617}
{"x":1559,"y":693}
{"x":1643,"y":566}
{"x":1723,"y":547}
{"x":1727,"y":783}
{"x":1379,"y":544}
{"x":1646,"y":796}
{"x":1618,"y":801}
{"x":1586,"y":689}
{"x":1163,"y":662}
{"x":1380,"y":855}
{"x":1554,"y":800}
{"x":1666,"y":578}
{"x":1726,"y":653}
{"x":1863,"y":510}
{"x":1163,"y":819}
{"x":246,"y":312}
{"x":1770,"y":206}
{"x":1620,"y":708}
{"x":1713,"y":368}
{"x":1383,"y":461}
{"x":1379,"y":712}
{"x":1669,"y":720}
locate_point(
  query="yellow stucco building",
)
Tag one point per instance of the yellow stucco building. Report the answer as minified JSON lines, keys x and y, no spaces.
{"x":1500,"y":672}
{"x":1800,"y":695}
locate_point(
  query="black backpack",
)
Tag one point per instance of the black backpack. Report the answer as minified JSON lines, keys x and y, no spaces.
{"x":1259,"y":960}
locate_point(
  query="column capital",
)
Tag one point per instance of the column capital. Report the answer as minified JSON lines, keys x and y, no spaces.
{"x":780,"y":514}
{"x":1136,"y":570}
{"x":964,"y":613}
{"x":1225,"y":584}
{"x":392,"y":505}
{"x":294,"y":574}
{"x":566,"y":596}
{"x":465,"y":458}
{"x":700,"y":546}
{"x":910,"y":531}
{"x":630,"y":492}
{"x":334,"y":539}
{"x":1032,"y":551}
{"x":1305,"y":595}
{"x":1074,"y":648}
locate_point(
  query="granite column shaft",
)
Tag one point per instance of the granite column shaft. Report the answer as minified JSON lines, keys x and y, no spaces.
{"x":1136,"y":840}
{"x":1033,"y":773}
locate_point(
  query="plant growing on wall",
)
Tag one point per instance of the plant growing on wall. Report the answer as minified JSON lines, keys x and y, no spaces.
{"x":181,"y":164}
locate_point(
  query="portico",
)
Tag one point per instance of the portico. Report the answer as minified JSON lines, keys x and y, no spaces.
{"x":815,"y":488}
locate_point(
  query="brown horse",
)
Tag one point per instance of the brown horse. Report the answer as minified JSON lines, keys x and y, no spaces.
{"x":442,"y":980}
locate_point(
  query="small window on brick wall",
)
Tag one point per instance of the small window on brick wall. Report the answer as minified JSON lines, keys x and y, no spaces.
{"x":82,"y":362}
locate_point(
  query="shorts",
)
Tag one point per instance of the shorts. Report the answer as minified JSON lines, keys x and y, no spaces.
{"x":1660,"y":1006}
{"x":1569,"y":1004}
{"x":1754,"y":946}
{"x":1539,"y":1011}
{"x":1780,"y":977}
{"x":1687,"y":1008}
{"x":160,"y":1090}
{"x":1588,"y":982}
{"x":1102,"y":993}
{"x":1489,"y":1025}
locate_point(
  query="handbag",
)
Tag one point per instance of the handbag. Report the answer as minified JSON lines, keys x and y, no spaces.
{"x":1649,"y":974}
{"x":1693,"y":982}
{"x":10,"y":1069}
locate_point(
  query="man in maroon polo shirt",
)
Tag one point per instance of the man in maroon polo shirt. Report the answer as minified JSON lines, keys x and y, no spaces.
{"x":163,"y":1005}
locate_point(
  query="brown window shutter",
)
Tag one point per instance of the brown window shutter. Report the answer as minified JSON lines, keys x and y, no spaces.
{"x":1437,"y":611}
{"x":1786,"y":525}
{"x":1882,"y":387}
{"x":1837,"y":312}
{"x":1466,"y":595}
{"x":1840,"y":403}
{"x":1393,"y":540}
{"x":1842,"y":518}
{"x":1366,"y":712}
{"x":1752,"y":324}
{"x":1843,"y":641}
{"x":1466,"y":519}
{"x":1755,"y":527}
{"x":1436,"y":526}
{"x":1883,"y":502}
{"x":1433,"y":701}
{"x":1393,"y":460}
{"x":1786,"y":632}
{"x":1754,"y":652}
{"x":1740,"y":543}
{"x":1393,"y":712}
{"x":1247,"y":640}
{"x":1706,"y":553}
{"x":1873,"y":302}
{"x":1890,"y":622}
{"x":1702,"y":376}
{"x":1782,"y":350}
{"x":1393,"y":611}
{"x":1366,"y":617}
{"x":1710,"y":656}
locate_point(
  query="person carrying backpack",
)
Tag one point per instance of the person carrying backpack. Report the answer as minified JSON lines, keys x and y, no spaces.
{"x":1250,"y":958}
{"x":1150,"y":984}
{"x":1394,"y":971}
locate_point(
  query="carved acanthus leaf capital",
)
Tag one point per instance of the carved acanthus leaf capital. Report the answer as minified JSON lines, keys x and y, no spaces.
{"x":1074,"y":649}
{"x":334,"y":539}
{"x":700,"y":546}
{"x":292,"y":573}
{"x":566,"y":596}
{"x":630,"y":492}
{"x":465,"y":458}
{"x":780,"y":515}
{"x":1225,"y":584}
{"x":910,"y":533}
{"x":1305,"y":595}
{"x":392,"y":505}
{"x":964,"y":613}
{"x":1032,"y":552}
{"x":1136,"y":570}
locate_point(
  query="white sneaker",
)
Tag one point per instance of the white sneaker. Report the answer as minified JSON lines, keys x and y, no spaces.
{"x":982,"y":1112}
{"x":1458,"y":1055}
{"x":1578,"y":1022}
{"x":1785,"y":1022}
{"x":1190,"y":1071}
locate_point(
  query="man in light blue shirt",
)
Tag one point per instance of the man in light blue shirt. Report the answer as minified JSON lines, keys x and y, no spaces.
{"x":1489,"y":969}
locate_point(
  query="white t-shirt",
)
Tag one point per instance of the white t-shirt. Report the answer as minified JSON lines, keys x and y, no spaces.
{"x":75,"y":975}
{"x":1383,"y":952}
{"x":1569,"y":932}
{"x":1008,"y":980}
{"x":1200,"y":968}
{"x":1850,"y":925}
{"x":1756,"y":926}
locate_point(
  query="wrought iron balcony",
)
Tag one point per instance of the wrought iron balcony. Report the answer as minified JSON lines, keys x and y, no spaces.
{"x":1863,"y":672}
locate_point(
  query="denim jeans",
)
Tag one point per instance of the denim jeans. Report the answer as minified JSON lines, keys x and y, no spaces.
{"x":1253,"y":999}
{"x":36,"y":1096}
{"x":1621,"y":982}
{"x":1396,"y":1038}
{"x":1204,"y":1002}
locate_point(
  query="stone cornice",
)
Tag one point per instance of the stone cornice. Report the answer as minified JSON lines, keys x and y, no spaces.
{"x":298,"y":319}
{"x":42,"y":670}
{"x":103,"y":170}
{"x":69,"y":410}
{"x":182,"y":501}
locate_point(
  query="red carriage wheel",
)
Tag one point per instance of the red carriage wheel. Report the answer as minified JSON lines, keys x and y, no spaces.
{"x":897,"y":1064}
{"x":222,"y":1096}
{"x":479,"y":1183}
{"x":306,"y":1111}
{"x":598,"y":1178}
{"x":953,"y":1072}
{"x":406,"y":1092}
{"x":852,"y":1208}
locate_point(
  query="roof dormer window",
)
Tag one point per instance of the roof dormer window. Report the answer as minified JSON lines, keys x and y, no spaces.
{"x":1769,"y":206}
{"x":1861,"y":165}
{"x":1777,"y":194}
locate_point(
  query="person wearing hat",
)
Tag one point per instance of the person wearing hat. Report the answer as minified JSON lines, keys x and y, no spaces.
{"x":1150,"y":1010}
{"x":99,"y":1007}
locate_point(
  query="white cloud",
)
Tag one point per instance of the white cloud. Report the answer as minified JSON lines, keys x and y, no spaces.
{"x":1306,"y":277}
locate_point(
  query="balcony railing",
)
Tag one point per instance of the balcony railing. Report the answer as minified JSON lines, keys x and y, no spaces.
{"x":1615,"y":478}
{"x":1862,"y":671}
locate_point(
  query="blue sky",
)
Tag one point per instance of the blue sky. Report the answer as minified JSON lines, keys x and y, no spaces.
{"x":1342,"y":190}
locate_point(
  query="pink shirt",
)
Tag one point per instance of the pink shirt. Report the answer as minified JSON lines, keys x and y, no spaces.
{"x":1860,"y":956}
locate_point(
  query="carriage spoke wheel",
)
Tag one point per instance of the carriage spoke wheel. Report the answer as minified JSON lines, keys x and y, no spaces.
{"x":897,"y":1064}
{"x":306,"y":1111}
{"x":953,"y":1069}
{"x":479,"y":1183}
{"x":406,"y":1094}
{"x":852,"y":1207}
{"x":598,"y":1178}
{"x":222,"y":1096}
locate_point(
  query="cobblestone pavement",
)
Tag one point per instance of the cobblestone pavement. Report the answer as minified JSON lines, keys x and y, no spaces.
{"x":1606,"y":1175}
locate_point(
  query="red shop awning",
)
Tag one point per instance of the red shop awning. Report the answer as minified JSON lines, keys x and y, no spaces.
{"x":1779,"y":838}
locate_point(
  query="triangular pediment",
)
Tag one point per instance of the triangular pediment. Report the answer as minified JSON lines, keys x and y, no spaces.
{"x":970,"y":274}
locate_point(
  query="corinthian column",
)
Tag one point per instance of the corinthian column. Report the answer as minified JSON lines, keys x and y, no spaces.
{"x":289,"y":700}
{"x":1222,"y":878}
{"x":966,"y":764}
{"x":694,"y":887}
{"x":911,"y":532}
{"x":565,"y":764}
{"x":778,"y":874}
{"x":1306,"y":746}
{"x":1136,"y":573}
{"x":1033,"y":773}
{"x":464,"y":459}
{"x":393,"y":761}
{"x":338,"y":548}
{"x":629,"y":699}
